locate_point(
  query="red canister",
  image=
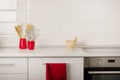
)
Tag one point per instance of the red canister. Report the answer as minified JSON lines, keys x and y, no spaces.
{"x":31,"y":45}
{"x":22,"y":43}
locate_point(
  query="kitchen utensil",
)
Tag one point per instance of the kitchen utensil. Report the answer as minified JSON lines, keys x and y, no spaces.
{"x":23,"y":30}
{"x":30,"y":33}
{"x":18,"y":31}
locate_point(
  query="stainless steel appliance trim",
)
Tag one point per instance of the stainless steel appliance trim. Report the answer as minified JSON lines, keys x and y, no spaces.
{"x":102,"y":62}
{"x":103,"y":72}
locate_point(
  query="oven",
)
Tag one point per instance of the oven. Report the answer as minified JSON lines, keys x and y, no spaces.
{"x":102,"y":68}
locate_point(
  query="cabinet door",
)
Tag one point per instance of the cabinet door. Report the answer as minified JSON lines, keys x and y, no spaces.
{"x":13,"y":76}
{"x":13,"y":65}
{"x":37,"y":68}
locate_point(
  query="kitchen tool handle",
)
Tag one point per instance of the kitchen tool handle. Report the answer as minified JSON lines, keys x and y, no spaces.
{"x":103,"y":72}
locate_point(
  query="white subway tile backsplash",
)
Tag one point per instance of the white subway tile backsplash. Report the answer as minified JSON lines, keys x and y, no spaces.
{"x":107,"y":10}
{"x":8,"y":16}
{"x":21,"y":16}
{"x":76,"y":28}
{"x":93,"y":22}
{"x":44,"y":16}
{"x":75,"y":4}
{"x":22,"y":4}
{"x":81,"y":18}
{"x":22,"y":11}
{"x":8,"y":4}
{"x":48,"y":28}
{"x":106,"y":15}
{"x":9,"y":42}
{"x":48,"y":39}
{"x":7,"y":28}
{"x":49,"y":34}
{"x":107,"y":4}
{"x":44,"y":4}
{"x":75,"y":15}
{"x":106,"y":28}
{"x":105,"y":39}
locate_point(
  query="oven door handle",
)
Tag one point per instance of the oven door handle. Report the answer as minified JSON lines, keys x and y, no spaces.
{"x":103,"y":72}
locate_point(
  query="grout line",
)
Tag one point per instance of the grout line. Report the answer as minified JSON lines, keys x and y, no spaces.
{"x":92,"y":19}
{"x":28,"y":11}
{"x":27,"y":68}
{"x":60,"y":32}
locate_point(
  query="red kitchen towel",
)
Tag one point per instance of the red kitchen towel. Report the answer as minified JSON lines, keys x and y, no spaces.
{"x":56,"y":71}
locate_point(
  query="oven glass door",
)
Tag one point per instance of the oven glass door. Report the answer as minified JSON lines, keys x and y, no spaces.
{"x":105,"y":77}
{"x":102,"y":74}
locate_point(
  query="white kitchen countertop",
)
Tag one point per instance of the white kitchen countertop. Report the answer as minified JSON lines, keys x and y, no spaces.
{"x":52,"y":52}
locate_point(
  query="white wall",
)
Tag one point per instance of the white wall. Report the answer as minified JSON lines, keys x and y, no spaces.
{"x":60,"y":20}
{"x":106,"y":22}
{"x":94,"y":22}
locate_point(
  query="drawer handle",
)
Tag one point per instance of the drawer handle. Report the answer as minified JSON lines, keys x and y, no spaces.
{"x":7,"y":64}
{"x":55,"y":63}
{"x":104,"y":72}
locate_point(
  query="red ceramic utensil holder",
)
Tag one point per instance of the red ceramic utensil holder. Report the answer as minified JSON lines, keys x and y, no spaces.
{"x":31,"y":45}
{"x":22,"y":43}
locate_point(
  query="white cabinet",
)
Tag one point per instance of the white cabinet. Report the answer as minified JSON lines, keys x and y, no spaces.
{"x":13,"y":68}
{"x":13,"y":76}
{"x":13,"y":65}
{"x":37,"y":69}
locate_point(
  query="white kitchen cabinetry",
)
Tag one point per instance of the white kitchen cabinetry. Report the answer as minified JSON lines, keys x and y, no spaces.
{"x":13,"y":76}
{"x":13,"y":68}
{"x":37,"y":67}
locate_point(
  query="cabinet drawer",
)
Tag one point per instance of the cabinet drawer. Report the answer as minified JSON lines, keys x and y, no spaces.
{"x":13,"y":76}
{"x":13,"y":65}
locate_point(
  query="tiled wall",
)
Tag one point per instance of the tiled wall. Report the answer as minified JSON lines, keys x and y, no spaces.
{"x":93,"y":22}
{"x":59,"y":20}
{"x":106,"y":22}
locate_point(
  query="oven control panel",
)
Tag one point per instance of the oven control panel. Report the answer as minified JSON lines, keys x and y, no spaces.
{"x":102,"y":62}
